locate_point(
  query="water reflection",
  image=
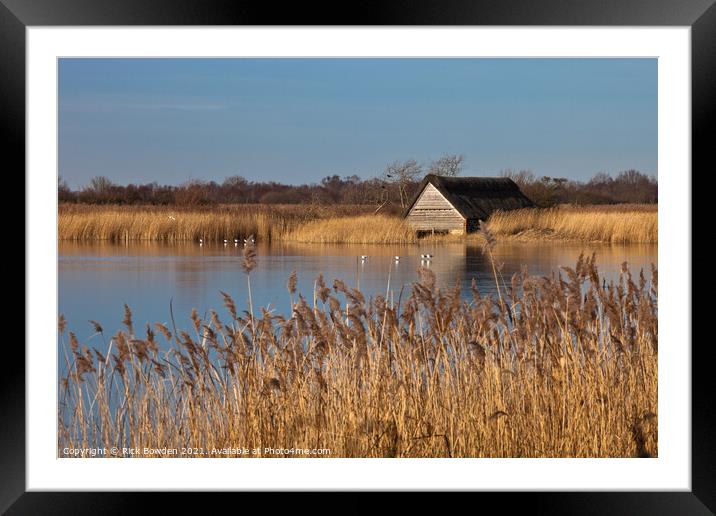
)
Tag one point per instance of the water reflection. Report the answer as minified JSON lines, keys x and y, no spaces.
{"x":95,"y":280}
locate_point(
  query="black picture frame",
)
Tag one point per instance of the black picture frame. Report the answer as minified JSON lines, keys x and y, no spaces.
{"x":700,"y":15}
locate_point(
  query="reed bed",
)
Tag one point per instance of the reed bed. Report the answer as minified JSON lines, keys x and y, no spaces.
{"x":345,"y":224}
{"x":170,"y":224}
{"x":364,"y":229}
{"x":560,"y":366}
{"x":615,"y":224}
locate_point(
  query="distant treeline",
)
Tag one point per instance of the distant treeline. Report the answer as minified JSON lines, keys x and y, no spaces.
{"x":392,"y":189}
{"x":630,"y":186}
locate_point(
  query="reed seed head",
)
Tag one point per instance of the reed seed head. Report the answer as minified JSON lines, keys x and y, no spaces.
{"x":248,"y":261}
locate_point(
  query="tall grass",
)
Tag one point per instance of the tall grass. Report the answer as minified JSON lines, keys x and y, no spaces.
{"x":560,"y":366}
{"x":616,"y":224}
{"x":169,"y":224}
{"x":364,"y":229}
{"x":344,"y":224}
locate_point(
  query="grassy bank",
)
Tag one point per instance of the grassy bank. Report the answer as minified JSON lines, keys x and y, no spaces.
{"x":344,"y":224}
{"x":551,"y":367}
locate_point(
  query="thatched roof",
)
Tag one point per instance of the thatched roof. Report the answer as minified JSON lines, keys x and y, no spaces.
{"x":476,"y":197}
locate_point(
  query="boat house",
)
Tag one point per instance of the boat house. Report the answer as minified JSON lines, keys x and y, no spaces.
{"x":457,"y":204}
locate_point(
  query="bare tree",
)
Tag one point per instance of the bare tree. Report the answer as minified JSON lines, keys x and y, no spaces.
{"x":64,"y":193}
{"x":234,"y":188}
{"x":521,"y":177}
{"x":403,"y":174}
{"x":447,"y":165}
{"x":235,"y":182}
{"x":100,"y":185}
{"x":62,"y":185}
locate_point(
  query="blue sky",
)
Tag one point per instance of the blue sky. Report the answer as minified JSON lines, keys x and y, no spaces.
{"x":299,"y":120}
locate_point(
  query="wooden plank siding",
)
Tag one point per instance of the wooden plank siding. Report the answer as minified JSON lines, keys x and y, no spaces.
{"x":433,"y":212}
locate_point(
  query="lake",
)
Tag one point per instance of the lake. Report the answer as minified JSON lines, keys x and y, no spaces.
{"x":96,"y":279}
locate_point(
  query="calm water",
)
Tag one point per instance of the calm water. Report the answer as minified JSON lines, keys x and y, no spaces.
{"x":95,"y":280}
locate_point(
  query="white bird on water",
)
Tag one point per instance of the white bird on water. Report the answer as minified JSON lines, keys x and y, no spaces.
{"x":426,"y":259}
{"x":201,"y":241}
{"x":397,"y":258}
{"x":363,"y":258}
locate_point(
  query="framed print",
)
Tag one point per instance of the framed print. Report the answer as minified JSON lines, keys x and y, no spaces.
{"x":414,"y":250}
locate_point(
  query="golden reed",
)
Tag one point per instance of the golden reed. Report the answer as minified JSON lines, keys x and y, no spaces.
{"x":561,"y":366}
{"x":615,"y":224}
{"x":344,"y":224}
{"x":170,"y":224}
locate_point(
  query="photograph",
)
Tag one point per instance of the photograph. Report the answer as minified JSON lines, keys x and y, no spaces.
{"x":410,"y":248}
{"x":357,"y":257}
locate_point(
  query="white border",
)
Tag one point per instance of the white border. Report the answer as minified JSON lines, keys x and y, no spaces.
{"x":670,"y":471}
